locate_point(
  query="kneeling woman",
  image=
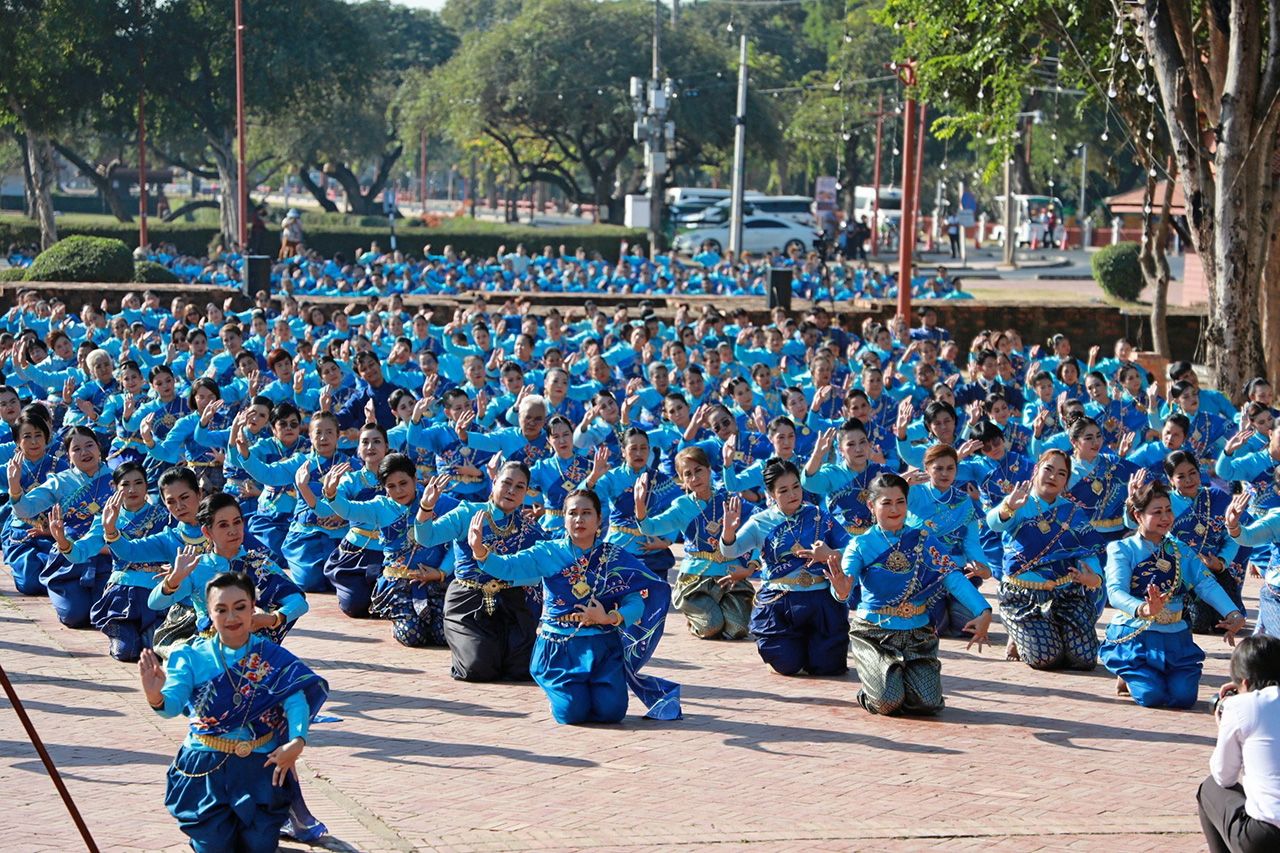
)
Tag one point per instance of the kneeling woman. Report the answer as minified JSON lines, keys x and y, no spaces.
{"x":602,"y":617}
{"x":1149,"y":645}
{"x":1050,"y":578}
{"x":250,"y":704}
{"x":797,"y":628}
{"x":900,"y":572}
{"x":410,"y":591}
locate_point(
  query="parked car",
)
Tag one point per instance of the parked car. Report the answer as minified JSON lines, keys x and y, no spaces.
{"x":759,"y":234}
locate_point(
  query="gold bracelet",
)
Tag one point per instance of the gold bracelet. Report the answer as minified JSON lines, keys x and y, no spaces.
{"x":111,"y":537}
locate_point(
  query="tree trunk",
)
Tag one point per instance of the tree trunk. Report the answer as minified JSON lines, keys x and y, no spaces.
{"x":43,"y":179}
{"x":1155,"y":261}
{"x":1269,"y":310}
{"x":228,"y":182}
{"x":317,"y":192}
{"x":100,"y":182}
{"x":28,"y":186}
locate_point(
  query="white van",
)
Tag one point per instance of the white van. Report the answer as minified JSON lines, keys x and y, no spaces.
{"x":797,"y":208}
{"x":685,"y":195}
{"x":890,"y":205}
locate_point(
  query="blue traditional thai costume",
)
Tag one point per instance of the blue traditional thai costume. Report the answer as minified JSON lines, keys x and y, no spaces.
{"x":796,"y":627}
{"x":552,"y":478}
{"x":1157,"y":658}
{"x":270,"y":520}
{"x":489,"y":623}
{"x":1198,"y":523}
{"x":312,"y":537}
{"x":1264,"y":531}
{"x":711,"y":608}
{"x":73,"y":588}
{"x":995,"y":479}
{"x":275,"y":591}
{"x":586,"y":669}
{"x":26,"y":543}
{"x":897,"y":577}
{"x":1050,"y":617}
{"x":616,"y":490}
{"x":952,"y":517}
{"x":415,"y":607}
{"x":356,"y":564}
{"x":122,"y":612}
{"x":844,"y":492}
{"x":1101,"y":488}
{"x":243,"y":704}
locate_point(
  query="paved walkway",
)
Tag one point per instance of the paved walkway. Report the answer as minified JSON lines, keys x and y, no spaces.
{"x":1019,"y":760}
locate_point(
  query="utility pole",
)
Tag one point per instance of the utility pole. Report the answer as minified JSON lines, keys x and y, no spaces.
{"x":739,"y":153}
{"x":875,"y":199}
{"x":907,"y":238}
{"x":242,"y":203}
{"x":422,"y":170}
{"x":651,"y":101}
{"x":1010,"y":238}
{"x":1084,"y":164}
{"x":142,"y":132}
{"x":921,"y":133}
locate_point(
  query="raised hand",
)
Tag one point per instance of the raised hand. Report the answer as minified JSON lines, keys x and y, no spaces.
{"x":969,"y":448}
{"x":599,"y":465}
{"x":1136,"y":479}
{"x":729,"y":450}
{"x":184,"y":563}
{"x":1153,"y":603}
{"x":1236,"y":509}
{"x":1237,"y":441}
{"x":370,"y":412}
{"x":151,"y":672}
{"x":732,"y":517}
{"x":464,"y":422}
{"x":210,"y":409}
{"x":841,"y":584}
{"x":1085,"y":576}
{"x":13,"y":469}
{"x":1018,"y":496}
{"x":1126,"y":443}
{"x":475,"y":538}
{"x":302,"y":476}
{"x":818,"y":552}
{"x":641,"y":496}
{"x":111,"y":513}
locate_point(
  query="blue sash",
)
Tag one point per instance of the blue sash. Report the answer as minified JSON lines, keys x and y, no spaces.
{"x":915,"y":577}
{"x":1051,"y":543}
{"x":263,"y":679}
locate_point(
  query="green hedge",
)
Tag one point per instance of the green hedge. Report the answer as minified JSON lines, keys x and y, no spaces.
{"x":150,"y":272}
{"x":13,"y":274}
{"x":1118,"y":271}
{"x":83,"y":258}
{"x":466,"y":236}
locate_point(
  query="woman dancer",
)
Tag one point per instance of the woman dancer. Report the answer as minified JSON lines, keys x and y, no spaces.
{"x":796,"y":628}
{"x":899,"y":571}
{"x":25,"y":546}
{"x":250,"y":703}
{"x":1051,"y":570}
{"x":602,"y":618}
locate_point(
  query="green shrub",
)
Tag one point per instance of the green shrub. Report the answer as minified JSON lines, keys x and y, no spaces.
{"x":81,"y":258}
{"x":475,"y":238}
{"x":13,"y":274}
{"x":1118,"y":272}
{"x":150,"y":272}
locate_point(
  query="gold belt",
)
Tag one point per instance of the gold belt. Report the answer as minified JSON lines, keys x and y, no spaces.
{"x":467,"y":478}
{"x":1041,"y":585}
{"x":805,"y":578}
{"x":1107,"y":523}
{"x":489,"y":588}
{"x":238,"y":748}
{"x":856,"y":531}
{"x":630,"y":531}
{"x":550,"y":511}
{"x":905,"y":610}
{"x":210,"y":464}
{"x":404,"y":572}
{"x":364,"y":531}
{"x":1168,"y":617}
{"x":709,"y":556}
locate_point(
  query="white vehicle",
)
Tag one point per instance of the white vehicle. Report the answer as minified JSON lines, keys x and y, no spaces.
{"x":685,"y":195}
{"x":890,"y":205}
{"x":798,"y":208}
{"x":759,"y":234}
{"x":1032,"y":212}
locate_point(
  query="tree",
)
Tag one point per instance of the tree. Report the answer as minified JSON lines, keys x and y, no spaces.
{"x":550,"y":89}
{"x":1213,"y":69}
{"x":59,"y":56}
{"x":297,"y":55}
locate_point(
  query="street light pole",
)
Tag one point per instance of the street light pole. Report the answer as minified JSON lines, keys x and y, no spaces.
{"x":142,"y":133}
{"x":739,"y":153}
{"x":907,"y":238}
{"x":1084,"y":163}
{"x":875,"y":199}
{"x":242,"y":191}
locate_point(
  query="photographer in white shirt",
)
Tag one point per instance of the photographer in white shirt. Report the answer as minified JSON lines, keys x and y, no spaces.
{"x":1240,"y":801}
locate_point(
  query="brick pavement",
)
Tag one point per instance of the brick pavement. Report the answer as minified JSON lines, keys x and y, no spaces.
{"x":1019,"y":761}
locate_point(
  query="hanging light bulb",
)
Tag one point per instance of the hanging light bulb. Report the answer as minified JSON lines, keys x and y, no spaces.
{"x":896,"y":152}
{"x":1151,"y":134}
{"x":980,"y":95}
{"x":1151,"y":97}
{"x":1152,"y":171}
{"x":1152,"y":22}
{"x":1142,"y":89}
{"x":838,"y":84}
{"x":1105,"y":136}
{"x":1124,"y":54}
{"x":1119,"y":28}
{"x":1111,"y":90}
{"x":1141,"y":63}
{"x":943,"y":167}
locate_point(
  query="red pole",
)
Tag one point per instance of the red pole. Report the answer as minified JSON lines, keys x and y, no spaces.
{"x":242,"y":191}
{"x":922,"y":132}
{"x":875,"y":200}
{"x":142,"y":137}
{"x":906,"y":243}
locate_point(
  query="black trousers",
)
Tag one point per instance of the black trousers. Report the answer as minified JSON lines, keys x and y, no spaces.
{"x":1227,"y":828}
{"x":489,"y":646}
